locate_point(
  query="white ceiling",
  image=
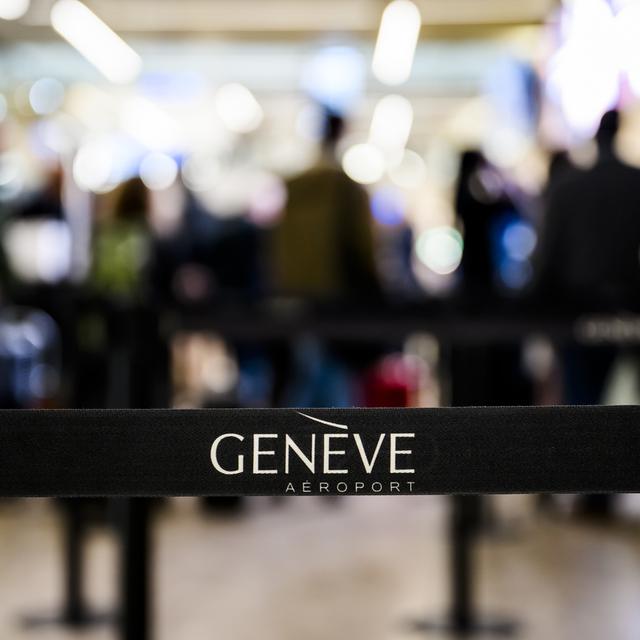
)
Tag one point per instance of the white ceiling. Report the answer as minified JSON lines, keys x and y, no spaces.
{"x":222,"y":40}
{"x":282,"y":17}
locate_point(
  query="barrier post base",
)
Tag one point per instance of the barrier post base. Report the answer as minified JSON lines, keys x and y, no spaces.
{"x":463,"y":619}
{"x":485,"y":627}
{"x":135,"y":614}
{"x":74,"y":620}
{"x":75,"y":613}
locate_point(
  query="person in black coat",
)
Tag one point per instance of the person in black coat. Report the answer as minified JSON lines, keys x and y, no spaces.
{"x":589,"y":261}
{"x":589,"y":247}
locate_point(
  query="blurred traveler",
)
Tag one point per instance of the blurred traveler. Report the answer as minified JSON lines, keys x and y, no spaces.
{"x":589,"y":248}
{"x":323,"y":246}
{"x":204,"y":257}
{"x":588,"y":256}
{"x":122,"y":246}
{"x":118,"y":331}
{"x":46,"y":203}
{"x":484,"y":374}
{"x":476,"y":207}
{"x":589,"y":260}
{"x":322,"y":250}
{"x":560,"y":168}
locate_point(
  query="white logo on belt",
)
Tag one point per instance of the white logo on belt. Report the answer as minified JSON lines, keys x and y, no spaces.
{"x":329,"y":458}
{"x":330,"y":424}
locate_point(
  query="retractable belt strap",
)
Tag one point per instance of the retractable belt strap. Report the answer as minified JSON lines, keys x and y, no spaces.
{"x":319,"y":451}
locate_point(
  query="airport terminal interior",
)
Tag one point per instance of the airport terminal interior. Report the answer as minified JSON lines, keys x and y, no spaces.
{"x":242,"y":204}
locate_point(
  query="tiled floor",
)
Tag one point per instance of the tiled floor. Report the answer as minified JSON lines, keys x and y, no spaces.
{"x":308,"y":569}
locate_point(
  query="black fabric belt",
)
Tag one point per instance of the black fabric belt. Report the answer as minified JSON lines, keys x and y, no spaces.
{"x":319,"y":451}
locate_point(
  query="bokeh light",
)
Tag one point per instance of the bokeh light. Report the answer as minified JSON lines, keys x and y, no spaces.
{"x":150,"y":124}
{"x":200,"y":172}
{"x":12,"y":177}
{"x":94,"y":165}
{"x":238,"y":108}
{"x":396,"y":43}
{"x":335,"y":77}
{"x":409,"y":172}
{"x":388,"y":205}
{"x":519,"y":240}
{"x":46,"y":96}
{"x":39,"y":250}
{"x":364,"y":163}
{"x":597,"y":55}
{"x":158,"y":171}
{"x":440,"y":249}
{"x":391,"y":124}
{"x":628,"y":42}
{"x":268,"y":200}
{"x":13,"y":9}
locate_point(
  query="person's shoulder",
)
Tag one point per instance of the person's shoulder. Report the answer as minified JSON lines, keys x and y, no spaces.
{"x":570,"y":182}
{"x":613,"y":163}
{"x":306,"y":175}
{"x":319,"y":174}
{"x":631,"y":171}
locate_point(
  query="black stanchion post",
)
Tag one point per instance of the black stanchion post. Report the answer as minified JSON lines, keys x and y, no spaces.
{"x":465,"y":371}
{"x":463,"y":619}
{"x":75,"y":612}
{"x":74,"y":608}
{"x":463,"y":524}
{"x":132,"y":376}
{"x":135,"y":612}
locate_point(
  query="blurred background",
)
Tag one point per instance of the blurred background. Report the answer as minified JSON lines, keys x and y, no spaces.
{"x":321,"y":203}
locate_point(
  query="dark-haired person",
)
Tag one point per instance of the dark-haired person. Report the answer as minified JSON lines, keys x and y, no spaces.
{"x":322,"y":250}
{"x":589,"y":259}
{"x":323,"y":246}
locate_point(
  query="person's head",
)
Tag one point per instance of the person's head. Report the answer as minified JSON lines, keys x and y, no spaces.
{"x":132,"y":201}
{"x":332,"y":129}
{"x":55,"y":181}
{"x":608,"y":129}
{"x":559,"y":164}
{"x":470,"y":161}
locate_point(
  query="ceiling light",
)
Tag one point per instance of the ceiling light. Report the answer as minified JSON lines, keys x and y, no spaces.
{"x":96,"y":41}
{"x":396,"y":43}
{"x":13,"y":9}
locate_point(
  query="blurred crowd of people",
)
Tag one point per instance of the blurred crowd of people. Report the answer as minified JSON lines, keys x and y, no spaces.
{"x":574,"y":246}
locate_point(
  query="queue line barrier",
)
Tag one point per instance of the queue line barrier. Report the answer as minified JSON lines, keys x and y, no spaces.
{"x":242,"y":452}
{"x":451,"y":325}
{"x":138,"y":453}
{"x":131,"y":454}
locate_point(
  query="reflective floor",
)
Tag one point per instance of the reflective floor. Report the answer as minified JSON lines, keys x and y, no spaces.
{"x":357,"y":568}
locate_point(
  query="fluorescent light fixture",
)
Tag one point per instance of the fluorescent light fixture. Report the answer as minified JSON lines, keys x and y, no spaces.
{"x":13,"y":9}
{"x":396,"y":43}
{"x":101,"y":46}
{"x":391,"y":124}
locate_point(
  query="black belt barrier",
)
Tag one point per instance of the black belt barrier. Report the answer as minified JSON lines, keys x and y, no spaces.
{"x":168,"y":452}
